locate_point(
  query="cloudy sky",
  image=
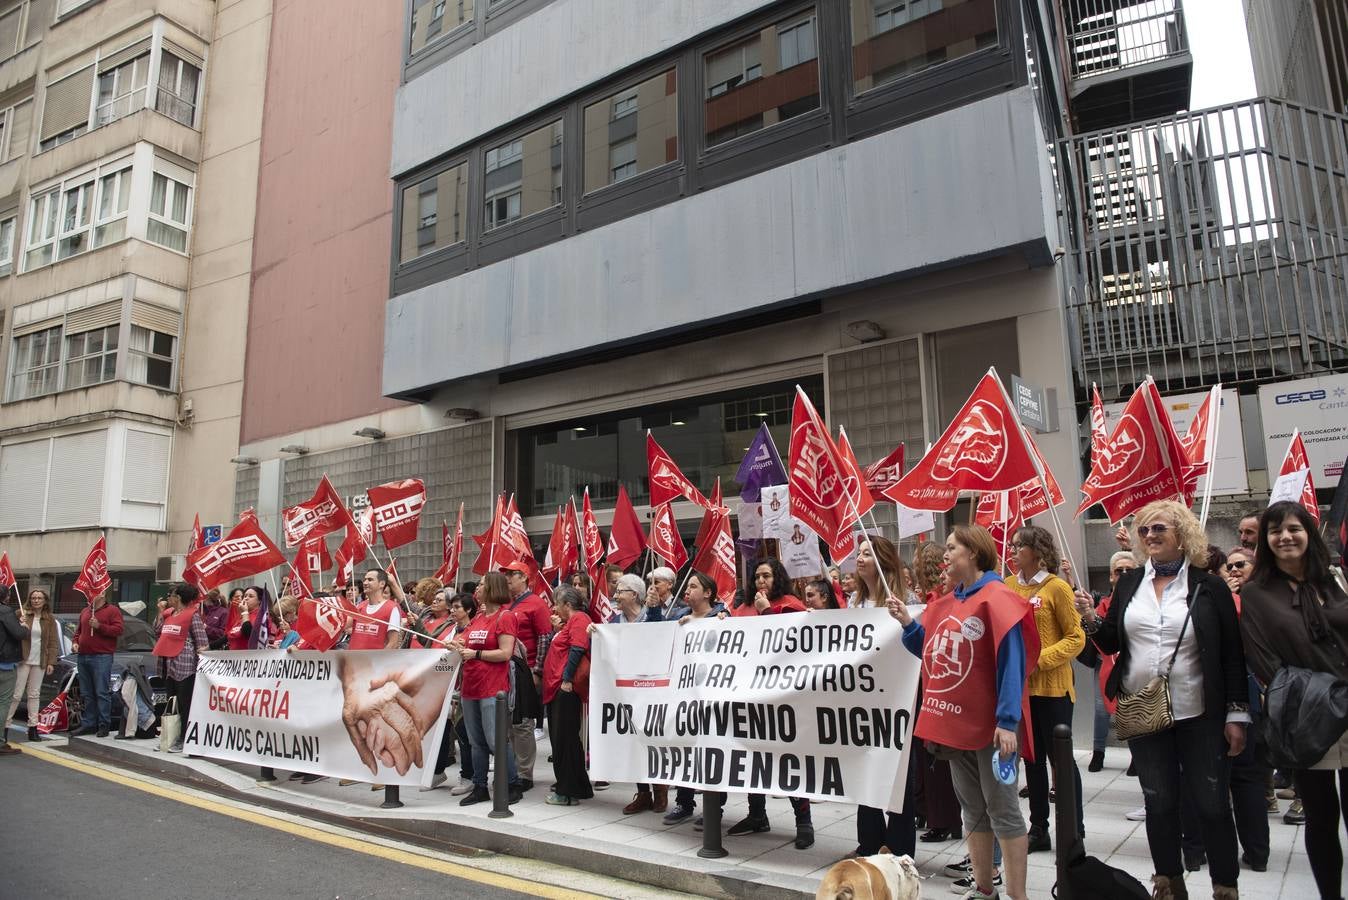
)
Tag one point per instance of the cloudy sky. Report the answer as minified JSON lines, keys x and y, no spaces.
{"x":1222,"y":69}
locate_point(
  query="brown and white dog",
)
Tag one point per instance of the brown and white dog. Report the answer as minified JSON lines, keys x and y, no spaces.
{"x":883,"y":876}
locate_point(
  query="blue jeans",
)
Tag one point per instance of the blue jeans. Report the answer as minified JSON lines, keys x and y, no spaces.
{"x":95,"y":672}
{"x":1188,"y":761}
{"x":479,"y":717}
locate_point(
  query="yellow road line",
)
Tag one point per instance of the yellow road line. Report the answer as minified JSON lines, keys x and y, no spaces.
{"x":505,"y":882}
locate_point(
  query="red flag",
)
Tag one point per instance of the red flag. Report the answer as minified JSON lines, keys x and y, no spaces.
{"x":517,"y":546}
{"x":563,"y":549}
{"x":359,"y":537}
{"x":826,"y":492}
{"x":7,"y":577}
{"x":55,"y":716}
{"x":1197,"y":441}
{"x":452,"y":551}
{"x":312,"y":557}
{"x":883,"y":473}
{"x":198,"y":541}
{"x":245,"y":551}
{"x":716,"y":556}
{"x":591,"y":542}
{"x":714,"y":505}
{"x":983,"y":449}
{"x":1000,"y":513}
{"x":667,"y":481}
{"x":1142,"y":461}
{"x":397,"y":510}
{"x":1099,"y":432}
{"x":322,"y":514}
{"x":856,"y":480}
{"x":601,"y":608}
{"x":1296,"y":460}
{"x":665,"y":540}
{"x":322,"y":620}
{"x":1031,"y":501}
{"x":94,"y":579}
{"x":626,"y":542}
{"x":491,"y":553}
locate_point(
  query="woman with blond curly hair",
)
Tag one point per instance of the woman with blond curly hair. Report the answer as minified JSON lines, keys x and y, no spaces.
{"x":928,"y":561}
{"x":1172,"y":616}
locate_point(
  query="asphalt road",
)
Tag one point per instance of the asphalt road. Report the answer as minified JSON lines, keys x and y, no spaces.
{"x":67,"y":834}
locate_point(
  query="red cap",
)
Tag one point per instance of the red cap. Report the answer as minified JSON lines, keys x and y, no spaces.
{"x":512,"y":565}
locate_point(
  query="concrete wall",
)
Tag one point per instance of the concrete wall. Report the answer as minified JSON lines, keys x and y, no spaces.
{"x":324,"y":216}
{"x":467,"y":96}
{"x":967,"y":183}
{"x":215,"y":326}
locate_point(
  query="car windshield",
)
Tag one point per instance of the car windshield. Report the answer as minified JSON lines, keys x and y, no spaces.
{"x":137,"y":636}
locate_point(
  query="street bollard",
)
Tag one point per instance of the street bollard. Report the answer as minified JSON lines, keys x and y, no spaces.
{"x":268,"y":774}
{"x":391,"y":800}
{"x":500,"y":794}
{"x":1069,"y":845}
{"x":711,"y":826}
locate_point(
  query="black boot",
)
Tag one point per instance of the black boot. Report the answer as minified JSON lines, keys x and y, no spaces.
{"x":1097,"y":761}
{"x":804,"y":835}
{"x":34,"y":737}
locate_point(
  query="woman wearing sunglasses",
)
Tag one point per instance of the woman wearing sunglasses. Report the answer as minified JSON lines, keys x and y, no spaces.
{"x":1239,"y":566}
{"x":1171,"y":616}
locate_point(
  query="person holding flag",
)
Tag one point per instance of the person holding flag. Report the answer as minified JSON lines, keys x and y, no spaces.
{"x":40,"y":652}
{"x":180,"y":635}
{"x":12,"y":635}
{"x":977,"y":645}
{"x":95,"y":641}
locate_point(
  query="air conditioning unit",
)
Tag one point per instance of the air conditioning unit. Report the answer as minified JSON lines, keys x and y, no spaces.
{"x":169,"y":569}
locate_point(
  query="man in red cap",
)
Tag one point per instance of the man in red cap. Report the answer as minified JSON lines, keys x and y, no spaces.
{"x":534,"y":620}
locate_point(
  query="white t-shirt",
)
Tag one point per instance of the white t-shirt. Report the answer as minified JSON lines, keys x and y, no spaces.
{"x":35,"y":648}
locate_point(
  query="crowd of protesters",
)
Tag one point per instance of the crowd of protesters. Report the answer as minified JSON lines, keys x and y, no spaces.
{"x":1219,"y":625}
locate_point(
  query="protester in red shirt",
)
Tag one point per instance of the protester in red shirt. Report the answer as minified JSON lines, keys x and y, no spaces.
{"x":486,"y":647}
{"x":534,"y":620}
{"x":381,"y":629}
{"x":95,"y":641}
{"x":565,"y":692}
{"x":770,"y":597}
{"x":241,"y":612}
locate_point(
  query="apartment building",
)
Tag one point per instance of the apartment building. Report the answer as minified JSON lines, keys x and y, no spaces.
{"x":610,"y":217}
{"x":103,"y":114}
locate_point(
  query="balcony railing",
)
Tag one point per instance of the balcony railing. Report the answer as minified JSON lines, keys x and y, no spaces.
{"x":1209,"y":245}
{"x":1109,"y":35}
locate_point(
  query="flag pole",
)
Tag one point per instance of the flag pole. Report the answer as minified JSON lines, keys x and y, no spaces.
{"x":1212,"y":455}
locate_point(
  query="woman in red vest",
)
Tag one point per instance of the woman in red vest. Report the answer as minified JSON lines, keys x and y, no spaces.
{"x":241,"y":617}
{"x":181,"y":636}
{"x":566,"y":687}
{"x":769,"y":597}
{"x":977,"y":644}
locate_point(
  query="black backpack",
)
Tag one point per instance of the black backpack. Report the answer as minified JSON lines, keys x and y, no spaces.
{"x":1091,"y":879}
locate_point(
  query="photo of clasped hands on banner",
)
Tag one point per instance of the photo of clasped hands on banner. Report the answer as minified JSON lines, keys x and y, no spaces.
{"x":390,"y":710}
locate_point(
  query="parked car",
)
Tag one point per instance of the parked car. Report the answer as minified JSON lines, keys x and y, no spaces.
{"x":135,"y":647}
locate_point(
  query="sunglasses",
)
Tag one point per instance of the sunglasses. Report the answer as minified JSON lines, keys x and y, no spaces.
{"x":1236,"y":566}
{"x":1121,"y":569}
{"x":1158,"y":529}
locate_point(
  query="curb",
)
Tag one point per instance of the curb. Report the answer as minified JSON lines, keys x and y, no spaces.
{"x":467,"y":837}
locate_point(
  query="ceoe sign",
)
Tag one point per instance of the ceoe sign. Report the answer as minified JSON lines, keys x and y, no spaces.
{"x":1319,"y":408}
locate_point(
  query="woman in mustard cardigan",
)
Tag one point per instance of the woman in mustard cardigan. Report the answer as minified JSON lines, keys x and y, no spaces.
{"x":1051,"y":689}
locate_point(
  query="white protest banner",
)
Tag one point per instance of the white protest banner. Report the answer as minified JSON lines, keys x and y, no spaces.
{"x":776,"y":506}
{"x":817,"y":705}
{"x":302,"y":711}
{"x":751,"y":520}
{"x":1289,"y":487}
{"x":800,"y":553}
{"x":914,"y":521}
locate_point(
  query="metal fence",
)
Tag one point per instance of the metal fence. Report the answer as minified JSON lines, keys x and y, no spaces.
{"x":1109,"y":35}
{"x":1209,"y":245}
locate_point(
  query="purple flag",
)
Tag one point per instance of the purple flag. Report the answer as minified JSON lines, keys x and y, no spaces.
{"x":762,"y":466}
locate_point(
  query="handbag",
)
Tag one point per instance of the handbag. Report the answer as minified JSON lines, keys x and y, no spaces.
{"x":1149,"y":711}
{"x":170,"y":725}
{"x":1305,"y":713}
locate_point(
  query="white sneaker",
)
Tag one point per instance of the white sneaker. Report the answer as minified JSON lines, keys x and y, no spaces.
{"x":1137,"y":815}
{"x":538,"y":734}
{"x":463,"y":787}
{"x":975,"y":894}
{"x":439,"y":779}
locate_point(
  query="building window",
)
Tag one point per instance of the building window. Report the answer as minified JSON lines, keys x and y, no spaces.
{"x":892,"y":39}
{"x":170,"y":207}
{"x":151,"y":358}
{"x":10,"y":31}
{"x":523,"y":176}
{"x":91,"y":357}
{"x":761,"y":80}
{"x":179,"y":81}
{"x":121,"y":91}
{"x":434,"y":213}
{"x":632,"y":131}
{"x":37,"y":364}
{"x":7,"y":242}
{"x":86,"y":211}
{"x":432,"y":19}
